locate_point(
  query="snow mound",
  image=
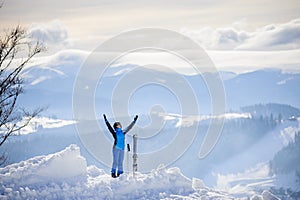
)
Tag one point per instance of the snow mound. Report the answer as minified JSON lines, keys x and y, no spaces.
{"x":65,"y":175}
{"x":64,"y":165}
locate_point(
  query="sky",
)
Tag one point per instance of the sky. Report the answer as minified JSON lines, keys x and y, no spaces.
{"x":245,"y":31}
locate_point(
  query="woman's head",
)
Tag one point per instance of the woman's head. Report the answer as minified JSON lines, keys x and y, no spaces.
{"x":117,"y":125}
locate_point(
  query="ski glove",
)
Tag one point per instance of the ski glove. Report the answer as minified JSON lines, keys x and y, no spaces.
{"x":135,"y":118}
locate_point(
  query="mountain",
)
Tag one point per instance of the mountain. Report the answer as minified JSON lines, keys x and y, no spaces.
{"x":51,"y":84}
{"x":287,"y":159}
{"x":274,"y":110}
{"x":252,"y":133}
{"x":263,"y":86}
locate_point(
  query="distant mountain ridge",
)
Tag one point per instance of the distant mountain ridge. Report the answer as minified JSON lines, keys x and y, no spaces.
{"x":262,"y":87}
{"x":276,"y":110}
{"x":51,"y":84}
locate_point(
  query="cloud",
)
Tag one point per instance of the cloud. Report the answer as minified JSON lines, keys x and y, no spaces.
{"x":218,"y":39}
{"x":284,"y":36}
{"x":53,"y":33}
{"x":240,"y":61}
{"x":275,"y":37}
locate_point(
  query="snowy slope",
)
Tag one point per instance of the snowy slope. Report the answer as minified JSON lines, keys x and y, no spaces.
{"x":266,"y":148}
{"x":65,"y":175}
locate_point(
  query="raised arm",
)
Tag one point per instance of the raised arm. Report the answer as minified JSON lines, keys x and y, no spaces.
{"x":109,"y":126}
{"x":130,"y":125}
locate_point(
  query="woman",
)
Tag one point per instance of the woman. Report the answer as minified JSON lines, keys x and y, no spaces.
{"x":119,"y":145}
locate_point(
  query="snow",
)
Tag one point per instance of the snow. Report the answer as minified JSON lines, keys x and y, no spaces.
{"x":41,"y":169}
{"x":65,"y":175}
{"x":246,"y":182}
{"x":188,"y":121}
{"x":38,"y":123}
{"x":266,"y":195}
{"x":288,"y":134}
{"x":43,"y":123}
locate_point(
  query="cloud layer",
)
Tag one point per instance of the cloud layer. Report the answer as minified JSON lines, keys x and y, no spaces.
{"x":284,"y":36}
{"x":52,"y":33}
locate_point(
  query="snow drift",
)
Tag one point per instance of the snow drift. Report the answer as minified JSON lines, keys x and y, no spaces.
{"x":65,"y":175}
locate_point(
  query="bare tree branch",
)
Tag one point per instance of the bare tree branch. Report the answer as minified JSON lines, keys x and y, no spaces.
{"x":12,"y":61}
{"x":28,"y":116}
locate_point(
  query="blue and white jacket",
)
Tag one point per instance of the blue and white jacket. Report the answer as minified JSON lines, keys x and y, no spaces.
{"x":119,"y":134}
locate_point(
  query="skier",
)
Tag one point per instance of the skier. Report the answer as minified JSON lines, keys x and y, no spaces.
{"x":119,"y":145}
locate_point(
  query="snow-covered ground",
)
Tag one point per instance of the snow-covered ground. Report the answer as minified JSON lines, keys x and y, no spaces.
{"x":244,"y":175}
{"x":65,"y":175}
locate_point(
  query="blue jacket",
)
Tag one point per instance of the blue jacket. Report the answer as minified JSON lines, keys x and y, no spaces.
{"x":119,"y":134}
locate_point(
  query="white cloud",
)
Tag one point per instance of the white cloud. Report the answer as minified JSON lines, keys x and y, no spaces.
{"x":218,"y":39}
{"x":52,"y":33}
{"x":284,"y":36}
{"x":239,"y":61}
{"x":275,"y":37}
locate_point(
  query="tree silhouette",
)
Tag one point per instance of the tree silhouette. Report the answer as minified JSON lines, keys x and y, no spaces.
{"x":16,"y":50}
